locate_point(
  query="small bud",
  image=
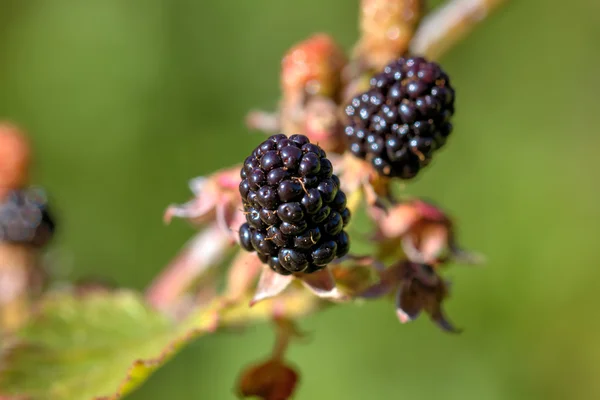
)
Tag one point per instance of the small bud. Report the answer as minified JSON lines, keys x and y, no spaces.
{"x":423,"y":231}
{"x":15,"y":156}
{"x":387,"y":26}
{"x":312,"y":67}
{"x":271,"y":380}
{"x":323,"y":126}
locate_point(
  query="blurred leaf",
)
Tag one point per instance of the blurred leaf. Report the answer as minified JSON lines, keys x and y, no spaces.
{"x":103,"y":345}
{"x":83,"y":346}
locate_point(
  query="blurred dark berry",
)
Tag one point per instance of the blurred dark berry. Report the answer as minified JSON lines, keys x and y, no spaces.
{"x":403,"y":118}
{"x":25,"y":218}
{"x":295,"y":209}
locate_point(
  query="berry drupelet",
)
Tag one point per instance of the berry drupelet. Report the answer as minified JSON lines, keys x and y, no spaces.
{"x":403,"y":118}
{"x":295,"y":210}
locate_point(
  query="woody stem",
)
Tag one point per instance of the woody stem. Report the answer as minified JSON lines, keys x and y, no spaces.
{"x":205,"y":250}
{"x":444,"y":28}
{"x":17,"y":261}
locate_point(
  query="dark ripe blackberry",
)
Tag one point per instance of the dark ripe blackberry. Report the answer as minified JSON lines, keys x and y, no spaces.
{"x":271,"y":160}
{"x":246,"y":237}
{"x":310,"y":182}
{"x":345,"y":214}
{"x":326,"y":168}
{"x":294,"y":229}
{"x":334,"y":224}
{"x":290,"y":212}
{"x":275,"y":176}
{"x":339,"y":202}
{"x":269,"y":217}
{"x":324,"y":253}
{"x":275,"y":265}
{"x":343,"y":244}
{"x":256,"y":179}
{"x":263,"y":257}
{"x":244,"y":188}
{"x":276,"y":236}
{"x":267,"y":197}
{"x":253,"y":218}
{"x":295,"y":210}
{"x":289,"y":190}
{"x":403,"y":118}
{"x":310,"y":164}
{"x":308,"y":238}
{"x":291,"y":157}
{"x":312,"y":201}
{"x":328,"y":189}
{"x":294,"y":260}
{"x":25,"y":218}
{"x":321,"y":215}
{"x":261,"y":245}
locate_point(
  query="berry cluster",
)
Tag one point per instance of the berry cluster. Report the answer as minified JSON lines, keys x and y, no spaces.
{"x":403,"y":118}
{"x":24,"y":217}
{"x":295,"y":210}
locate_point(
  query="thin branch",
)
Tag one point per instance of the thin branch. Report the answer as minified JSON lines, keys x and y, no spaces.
{"x":17,"y":262}
{"x":444,"y":28}
{"x":205,"y":250}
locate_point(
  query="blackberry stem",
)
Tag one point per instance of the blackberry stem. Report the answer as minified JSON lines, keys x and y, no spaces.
{"x":442,"y":29}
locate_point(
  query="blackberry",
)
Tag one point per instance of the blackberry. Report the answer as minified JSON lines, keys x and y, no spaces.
{"x":25,"y":218}
{"x":295,"y":209}
{"x":403,"y":118}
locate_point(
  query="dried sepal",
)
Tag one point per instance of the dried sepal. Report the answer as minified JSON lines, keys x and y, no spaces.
{"x":416,"y":295}
{"x":270,"y":284}
{"x":354,"y":274}
{"x":322,"y":283}
{"x":216,"y":198}
{"x":417,"y":287}
{"x":389,"y":279}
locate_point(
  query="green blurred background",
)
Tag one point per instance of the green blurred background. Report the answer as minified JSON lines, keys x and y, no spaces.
{"x":127,"y":100}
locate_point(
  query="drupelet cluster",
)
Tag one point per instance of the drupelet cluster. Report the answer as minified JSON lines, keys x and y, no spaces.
{"x":295,"y":210}
{"x":403,"y":118}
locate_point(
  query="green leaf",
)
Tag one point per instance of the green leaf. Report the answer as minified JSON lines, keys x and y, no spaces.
{"x":104,"y":345}
{"x":81,"y":347}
